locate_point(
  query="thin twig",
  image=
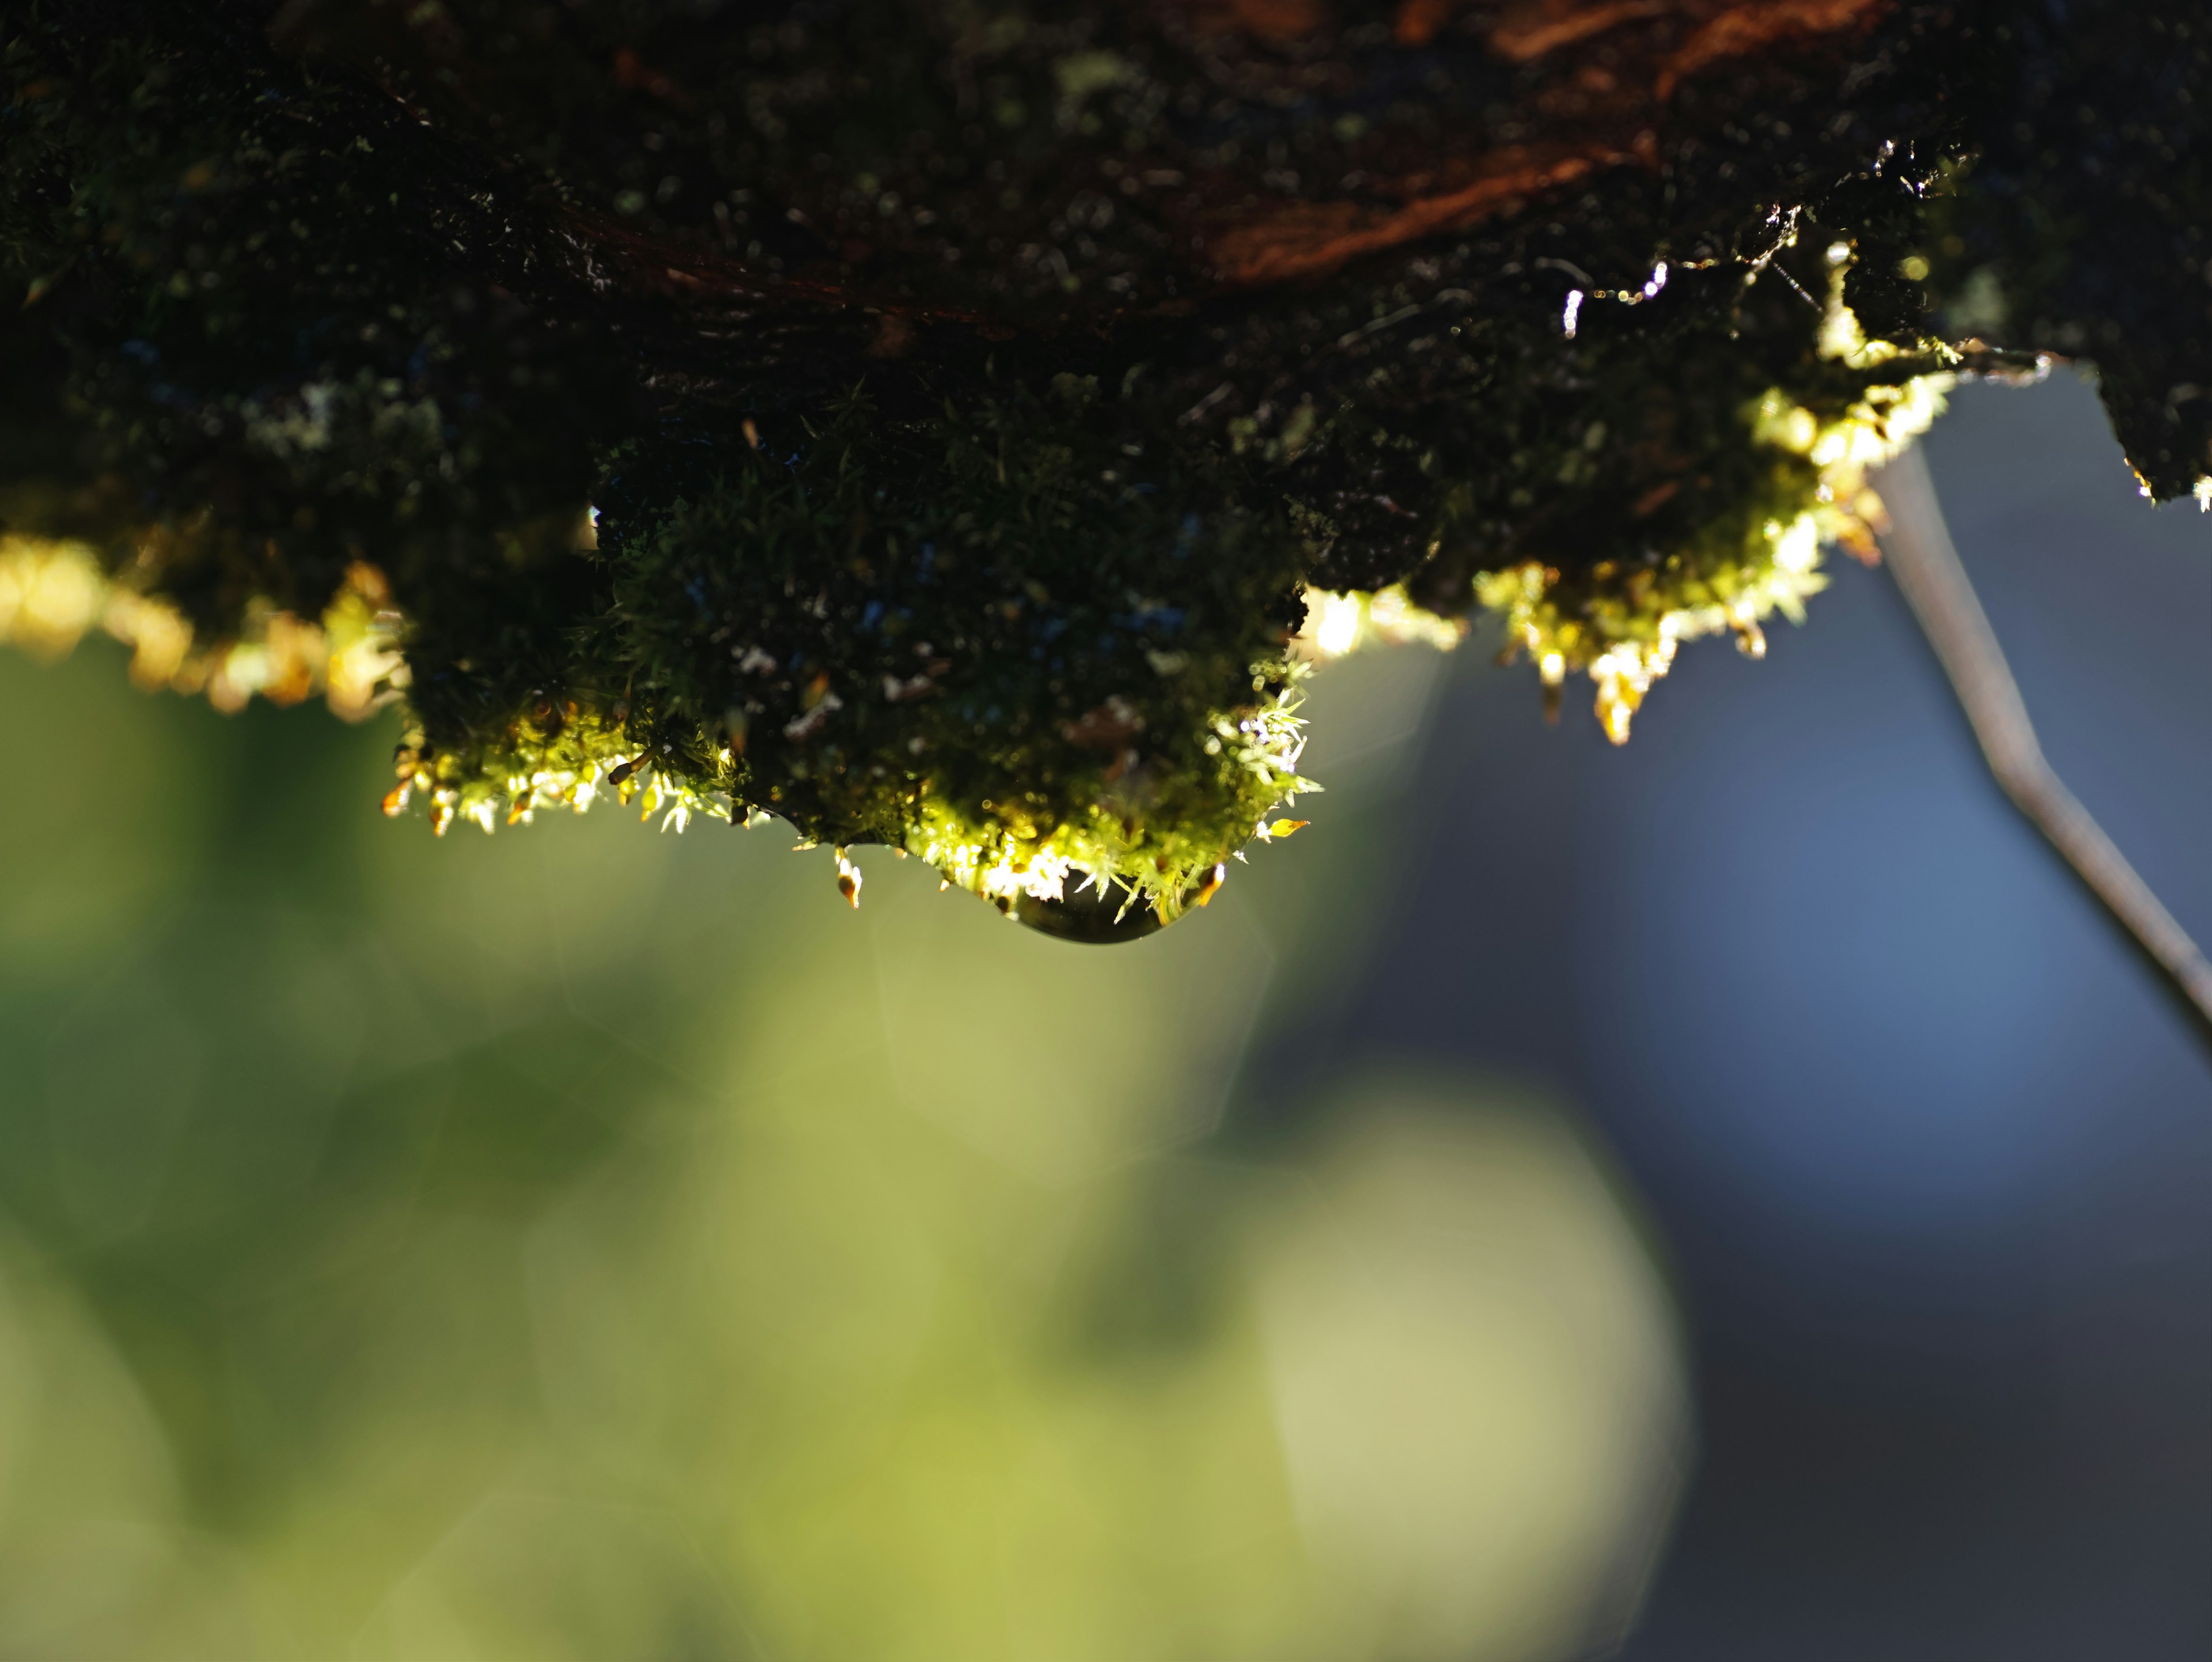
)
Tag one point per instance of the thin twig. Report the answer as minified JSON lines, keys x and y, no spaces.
{"x":1924,"y":562}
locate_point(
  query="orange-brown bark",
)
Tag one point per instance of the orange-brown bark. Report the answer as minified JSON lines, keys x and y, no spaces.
{"x":1740,"y":31}
{"x":1284,"y":240}
{"x":1306,"y":239}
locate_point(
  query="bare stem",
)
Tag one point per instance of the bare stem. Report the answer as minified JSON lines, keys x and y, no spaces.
{"x":1925,"y":563}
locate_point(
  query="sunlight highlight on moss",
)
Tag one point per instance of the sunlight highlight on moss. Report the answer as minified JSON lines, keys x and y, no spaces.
{"x":1622,"y":625}
{"x":52,"y":593}
{"x":1161,"y":842}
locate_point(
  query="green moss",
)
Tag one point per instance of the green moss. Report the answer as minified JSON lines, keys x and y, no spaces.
{"x":952,"y":490}
{"x":991,"y":633}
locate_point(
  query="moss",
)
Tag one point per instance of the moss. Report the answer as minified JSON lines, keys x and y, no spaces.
{"x":980,"y":636}
{"x":927,"y":425}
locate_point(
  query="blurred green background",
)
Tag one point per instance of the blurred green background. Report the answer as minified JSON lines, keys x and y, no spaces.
{"x":586,"y":1242}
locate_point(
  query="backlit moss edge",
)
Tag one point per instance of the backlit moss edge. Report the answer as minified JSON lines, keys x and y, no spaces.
{"x":1622,"y":625}
{"x":1160,"y":835}
{"x":1163,"y":843}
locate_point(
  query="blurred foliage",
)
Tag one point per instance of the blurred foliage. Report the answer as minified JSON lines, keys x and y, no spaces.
{"x":393,"y":1263}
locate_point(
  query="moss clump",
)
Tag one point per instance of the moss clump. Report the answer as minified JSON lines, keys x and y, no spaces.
{"x":929,"y":425}
{"x":1796,"y":462}
{"x":993,"y":639}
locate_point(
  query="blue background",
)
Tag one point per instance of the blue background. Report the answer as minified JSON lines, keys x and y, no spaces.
{"x":1929,"y":1153}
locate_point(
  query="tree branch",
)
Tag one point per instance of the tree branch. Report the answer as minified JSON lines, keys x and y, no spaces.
{"x":1925,"y":563}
